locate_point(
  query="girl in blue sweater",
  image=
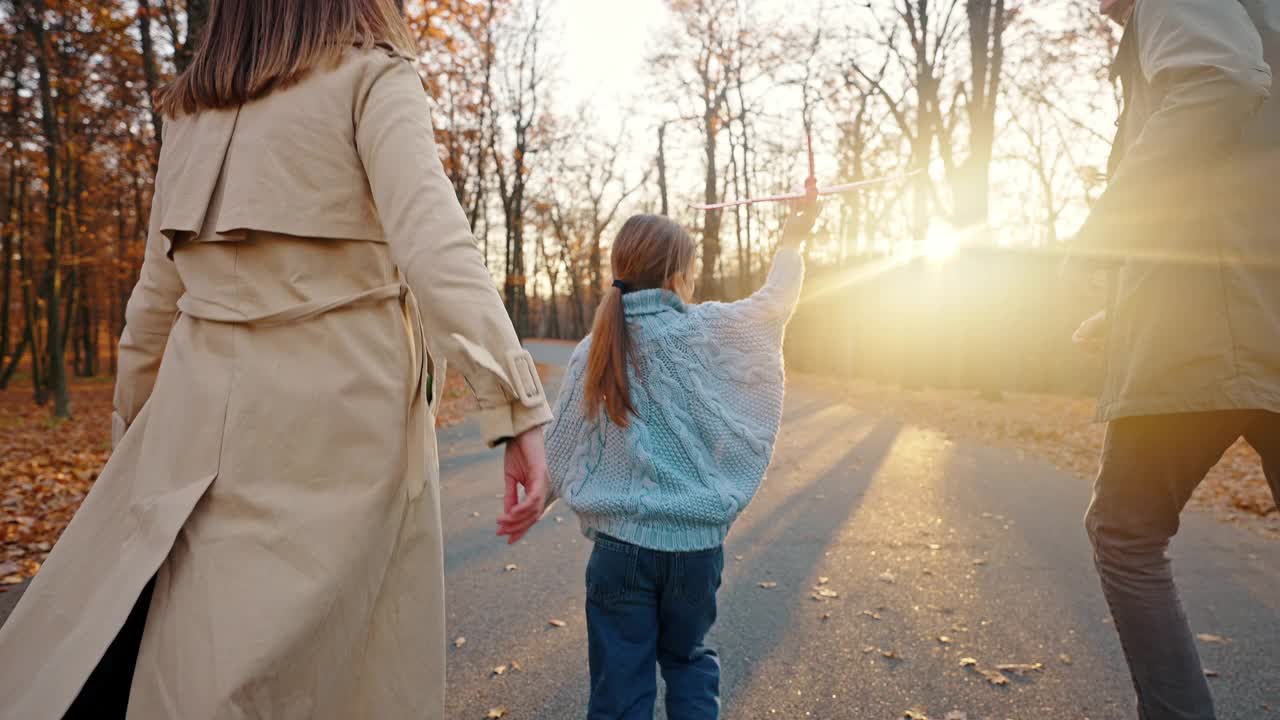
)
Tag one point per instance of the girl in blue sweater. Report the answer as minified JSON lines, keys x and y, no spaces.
{"x":664,"y":428}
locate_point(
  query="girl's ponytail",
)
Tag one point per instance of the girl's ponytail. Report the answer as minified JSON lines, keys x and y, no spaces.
{"x":650,"y":252}
{"x":606,"y":381}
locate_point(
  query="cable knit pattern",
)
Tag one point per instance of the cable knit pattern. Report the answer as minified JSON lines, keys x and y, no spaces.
{"x":707,"y":385}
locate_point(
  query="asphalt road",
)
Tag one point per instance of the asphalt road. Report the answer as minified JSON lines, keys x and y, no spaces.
{"x":980,"y":547}
{"x":921,"y":536}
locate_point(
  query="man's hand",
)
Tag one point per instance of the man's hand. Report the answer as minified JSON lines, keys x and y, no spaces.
{"x":1091,"y":336}
{"x":526,"y":466}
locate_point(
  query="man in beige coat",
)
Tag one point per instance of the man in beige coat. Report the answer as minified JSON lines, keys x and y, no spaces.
{"x":267,"y":532}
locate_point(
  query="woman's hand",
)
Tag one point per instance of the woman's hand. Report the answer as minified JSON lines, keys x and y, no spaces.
{"x":526,"y":466}
{"x":1091,"y":336}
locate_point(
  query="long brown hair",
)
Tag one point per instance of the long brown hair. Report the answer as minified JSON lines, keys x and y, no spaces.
{"x":251,"y":47}
{"x":650,"y":251}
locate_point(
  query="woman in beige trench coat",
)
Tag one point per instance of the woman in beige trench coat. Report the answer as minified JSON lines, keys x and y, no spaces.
{"x":273,"y":490}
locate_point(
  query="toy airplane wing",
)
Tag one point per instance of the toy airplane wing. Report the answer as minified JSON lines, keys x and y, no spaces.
{"x":800,"y":195}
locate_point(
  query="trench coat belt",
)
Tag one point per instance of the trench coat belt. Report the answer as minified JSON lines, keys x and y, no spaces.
{"x":214,"y":312}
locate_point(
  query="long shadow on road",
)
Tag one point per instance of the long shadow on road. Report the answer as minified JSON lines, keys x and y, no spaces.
{"x":785,"y":542}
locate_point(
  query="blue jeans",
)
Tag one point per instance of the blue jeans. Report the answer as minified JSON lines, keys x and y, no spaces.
{"x":647,"y":608}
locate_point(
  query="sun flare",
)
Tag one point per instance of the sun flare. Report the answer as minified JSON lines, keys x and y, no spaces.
{"x":942,"y":242}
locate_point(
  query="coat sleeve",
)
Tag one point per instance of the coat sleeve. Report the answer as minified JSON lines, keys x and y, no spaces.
{"x":1204,"y":59}
{"x":149,"y":316}
{"x":432,"y":245}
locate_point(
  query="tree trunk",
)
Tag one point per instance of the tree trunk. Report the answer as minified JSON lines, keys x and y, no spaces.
{"x":89,"y":323}
{"x":553,"y":312}
{"x":197,"y":17}
{"x":31,"y":320}
{"x":6,"y":295}
{"x":53,"y":205}
{"x":24,"y":283}
{"x":149,"y":73}
{"x":711,"y":224}
{"x":736,"y":174}
{"x":71,"y":238}
{"x":579,"y":308}
{"x":12,"y":364}
{"x":596,"y":271}
{"x":662,"y":166}
{"x":986,"y":60}
{"x":747,"y":210}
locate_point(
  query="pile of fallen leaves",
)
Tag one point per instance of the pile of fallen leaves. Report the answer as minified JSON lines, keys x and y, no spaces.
{"x":1061,"y":430}
{"x":46,"y":467}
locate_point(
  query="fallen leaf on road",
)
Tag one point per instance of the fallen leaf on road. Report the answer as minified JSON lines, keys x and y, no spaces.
{"x":994,"y":677}
{"x":968,"y":662}
{"x":826,"y":592}
{"x":1020,"y":668}
{"x":768,"y":585}
{"x":868,"y":649}
{"x":1212,"y":639}
{"x":823,"y":580}
{"x":516,"y":667}
{"x":870,"y":614}
{"x":887,"y":577}
{"x":496,"y":713}
{"x":500,"y":670}
{"x":511,"y":568}
{"x":915,"y":714}
{"x":945,"y":640}
{"x":459,"y":642}
{"x":556,"y":623}
{"x":892,"y":655}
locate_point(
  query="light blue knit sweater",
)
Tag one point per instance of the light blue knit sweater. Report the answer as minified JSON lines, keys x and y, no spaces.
{"x":706,"y":383}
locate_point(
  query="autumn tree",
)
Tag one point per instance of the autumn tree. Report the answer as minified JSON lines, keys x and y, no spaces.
{"x":458,"y":52}
{"x":698,"y":61}
{"x":518,"y":115}
{"x":987,"y":22}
